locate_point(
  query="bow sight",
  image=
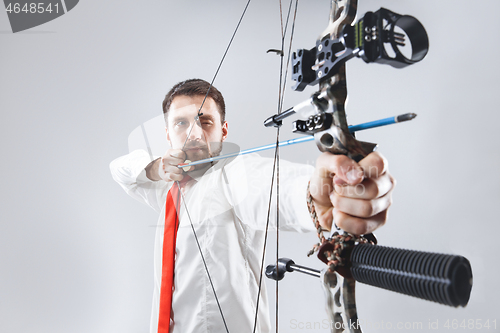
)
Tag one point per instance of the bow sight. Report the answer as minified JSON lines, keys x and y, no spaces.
{"x":377,"y":37}
{"x":373,"y":38}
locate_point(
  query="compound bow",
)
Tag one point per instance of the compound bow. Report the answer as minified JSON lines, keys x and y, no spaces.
{"x":445,"y":279}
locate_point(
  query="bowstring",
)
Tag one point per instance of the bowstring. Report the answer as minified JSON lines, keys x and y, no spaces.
{"x":289,"y":55}
{"x":281,"y":92}
{"x":203,"y":258}
{"x":197,"y":117}
{"x":218,"y":69}
{"x":265,"y":243}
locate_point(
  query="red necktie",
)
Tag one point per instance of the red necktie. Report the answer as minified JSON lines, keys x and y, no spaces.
{"x":169,"y":237}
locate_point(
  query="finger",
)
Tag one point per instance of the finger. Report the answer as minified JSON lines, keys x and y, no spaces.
{"x":342,"y":167}
{"x":320,"y":189}
{"x":359,"y":226}
{"x":173,"y":170}
{"x":175,"y":177}
{"x":172,"y":160}
{"x":170,"y":173}
{"x":174,"y":157}
{"x":374,"y":165}
{"x":361,"y":207}
{"x":177,"y":153}
{"x":369,"y":189}
{"x":325,"y":218}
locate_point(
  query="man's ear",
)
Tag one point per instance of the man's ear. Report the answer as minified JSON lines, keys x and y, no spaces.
{"x":224,"y":131}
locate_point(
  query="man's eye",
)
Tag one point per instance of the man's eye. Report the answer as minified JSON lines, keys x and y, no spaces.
{"x":206,"y":121}
{"x":181,"y":123}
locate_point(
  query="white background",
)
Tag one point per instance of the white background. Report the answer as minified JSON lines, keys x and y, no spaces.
{"x":76,"y":252}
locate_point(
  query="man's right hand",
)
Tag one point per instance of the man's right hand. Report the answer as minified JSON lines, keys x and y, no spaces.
{"x":165,"y":168}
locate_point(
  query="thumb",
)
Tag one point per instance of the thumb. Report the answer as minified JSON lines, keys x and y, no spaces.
{"x":333,"y":170}
{"x":341,"y":168}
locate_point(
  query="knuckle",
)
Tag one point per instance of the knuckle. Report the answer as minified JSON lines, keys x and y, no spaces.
{"x":374,"y":191}
{"x":393,"y":181}
{"x":389,"y":201}
{"x":175,"y":177}
{"x":367,"y":209}
{"x":328,"y":162}
{"x":172,"y":161}
{"x":335,"y":199}
{"x":360,"y":190}
{"x":381,"y":161}
{"x":343,"y":161}
{"x":361,"y":228}
{"x":340,"y":190}
{"x":358,"y":226}
{"x":375,"y":165}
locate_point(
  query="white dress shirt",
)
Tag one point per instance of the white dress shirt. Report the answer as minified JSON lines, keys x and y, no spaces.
{"x":227,"y":206}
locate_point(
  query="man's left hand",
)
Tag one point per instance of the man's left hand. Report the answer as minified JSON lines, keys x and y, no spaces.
{"x":354,"y":195}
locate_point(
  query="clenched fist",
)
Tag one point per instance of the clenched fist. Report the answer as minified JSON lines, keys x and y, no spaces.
{"x":354,"y":195}
{"x":165,"y":168}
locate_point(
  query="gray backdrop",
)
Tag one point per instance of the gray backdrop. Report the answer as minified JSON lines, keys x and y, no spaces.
{"x":76,"y":251}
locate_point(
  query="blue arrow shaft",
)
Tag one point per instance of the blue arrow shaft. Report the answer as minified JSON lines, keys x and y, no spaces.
{"x":352,"y":129}
{"x":372,"y":124}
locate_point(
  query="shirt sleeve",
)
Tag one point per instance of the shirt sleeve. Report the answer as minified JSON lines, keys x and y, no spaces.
{"x":293,"y":188}
{"x":128,"y":171}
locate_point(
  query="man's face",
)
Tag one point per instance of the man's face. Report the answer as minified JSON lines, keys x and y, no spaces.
{"x":204,"y":137}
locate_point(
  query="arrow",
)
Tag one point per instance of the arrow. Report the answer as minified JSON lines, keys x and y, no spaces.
{"x":352,"y":129}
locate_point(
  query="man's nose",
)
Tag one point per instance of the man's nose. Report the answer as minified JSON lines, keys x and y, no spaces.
{"x":196,"y":131}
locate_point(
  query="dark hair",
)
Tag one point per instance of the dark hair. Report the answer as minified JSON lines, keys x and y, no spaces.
{"x":195,"y":87}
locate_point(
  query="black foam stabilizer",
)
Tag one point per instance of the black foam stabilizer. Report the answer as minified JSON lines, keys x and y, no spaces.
{"x":442,"y":278}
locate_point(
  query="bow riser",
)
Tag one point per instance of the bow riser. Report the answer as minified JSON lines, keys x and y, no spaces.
{"x":333,"y":88}
{"x":340,"y":291}
{"x":342,"y":13}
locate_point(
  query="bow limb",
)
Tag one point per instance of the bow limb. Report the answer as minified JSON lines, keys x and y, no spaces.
{"x":340,"y":302}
